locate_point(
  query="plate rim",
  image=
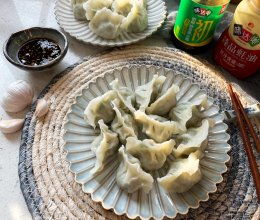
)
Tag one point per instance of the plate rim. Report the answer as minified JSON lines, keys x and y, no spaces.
{"x":113,"y":44}
{"x":158,"y":68}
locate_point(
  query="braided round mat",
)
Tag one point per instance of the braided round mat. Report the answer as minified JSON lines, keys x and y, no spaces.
{"x":49,"y":187}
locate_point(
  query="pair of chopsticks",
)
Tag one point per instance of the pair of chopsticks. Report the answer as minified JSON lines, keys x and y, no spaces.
{"x":244,"y":121}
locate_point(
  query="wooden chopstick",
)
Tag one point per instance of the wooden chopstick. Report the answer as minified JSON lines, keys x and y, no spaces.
{"x":247,"y":144}
{"x":249,"y":124}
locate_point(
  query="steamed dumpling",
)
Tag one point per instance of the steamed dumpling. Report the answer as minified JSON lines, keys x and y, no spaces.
{"x":182,"y":175}
{"x":164,"y":103}
{"x":158,"y":131}
{"x":106,"y":24}
{"x":100,"y":108}
{"x":92,"y":6}
{"x":122,"y":7}
{"x":123,"y":124}
{"x":130,"y":176}
{"x":193,"y":140}
{"x":188,"y":114}
{"x":151,"y":155}
{"x":137,"y":19}
{"x":145,"y":94}
{"x":125,"y":95}
{"x":107,"y":146}
{"x":78,"y":10}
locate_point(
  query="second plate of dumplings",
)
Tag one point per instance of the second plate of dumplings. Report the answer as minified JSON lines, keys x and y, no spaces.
{"x":110,"y":22}
{"x":146,"y":142}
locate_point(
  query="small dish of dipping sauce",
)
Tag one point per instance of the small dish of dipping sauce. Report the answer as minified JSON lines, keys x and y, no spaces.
{"x":36,"y":48}
{"x":38,"y":52}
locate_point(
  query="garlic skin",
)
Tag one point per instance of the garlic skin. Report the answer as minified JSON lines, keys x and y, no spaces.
{"x":42,"y":108}
{"x":17,"y":97}
{"x":11,"y":126}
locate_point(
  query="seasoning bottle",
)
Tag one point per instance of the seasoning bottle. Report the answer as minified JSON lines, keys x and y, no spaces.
{"x":196,"y":22}
{"x":238,"y":49}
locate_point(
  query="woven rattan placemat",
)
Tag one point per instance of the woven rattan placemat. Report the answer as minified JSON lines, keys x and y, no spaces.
{"x":49,"y":187}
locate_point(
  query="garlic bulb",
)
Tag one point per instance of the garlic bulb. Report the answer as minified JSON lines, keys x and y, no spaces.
{"x":11,"y":126}
{"x":42,"y":108}
{"x":17,"y":97}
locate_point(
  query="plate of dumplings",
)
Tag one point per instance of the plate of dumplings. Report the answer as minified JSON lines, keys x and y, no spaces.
{"x":146,"y":142}
{"x":110,"y":22}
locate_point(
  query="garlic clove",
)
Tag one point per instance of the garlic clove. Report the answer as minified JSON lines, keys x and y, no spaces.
{"x":18,"y":96}
{"x":11,"y":126}
{"x":42,"y":108}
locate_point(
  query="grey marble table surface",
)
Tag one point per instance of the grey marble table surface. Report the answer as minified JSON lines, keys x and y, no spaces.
{"x":16,"y":15}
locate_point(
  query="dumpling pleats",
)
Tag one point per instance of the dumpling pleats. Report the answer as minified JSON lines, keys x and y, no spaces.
{"x":123,"y":124}
{"x":182,"y":175}
{"x":106,"y":24}
{"x":107,"y":147}
{"x":100,"y":108}
{"x":147,"y":93}
{"x":151,"y":154}
{"x":158,"y":131}
{"x":130,"y":176}
{"x":164,"y":103}
{"x":193,"y":140}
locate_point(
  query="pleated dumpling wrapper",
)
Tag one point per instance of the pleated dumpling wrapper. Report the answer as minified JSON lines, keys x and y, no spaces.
{"x":182,"y":175}
{"x":92,"y":6}
{"x":137,"y":18}
{"x":195,"y":139}
{"x":122,"y":7}
{"x":123,"y":124}
{"x":188,"y":114}
{"x":164,"y":102}
{"x":147,"y":93}
{"x":106,"y":24}
{"x":158,"y":130}
{"x":104,"y":146}
{"x":130,"y":176}
{"x":78,"y":9}
{"x":100,"y":108}
{"x":151,"y":154}
{"x":125,"y":95}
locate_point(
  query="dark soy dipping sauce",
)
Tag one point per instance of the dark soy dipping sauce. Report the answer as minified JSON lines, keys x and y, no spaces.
{"x":38,"y":52}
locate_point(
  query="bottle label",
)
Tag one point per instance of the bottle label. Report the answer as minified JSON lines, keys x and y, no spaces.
{"x":195,"y":23}
{"x":244,"y":35}
{"x":239,"y":61}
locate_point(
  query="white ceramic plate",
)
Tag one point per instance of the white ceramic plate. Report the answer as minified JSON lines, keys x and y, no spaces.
{"x":103,"y":187}
{"x":64,"y":15}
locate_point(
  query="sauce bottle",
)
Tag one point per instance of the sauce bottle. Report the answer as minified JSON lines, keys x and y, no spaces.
{"x":238,"y":49}
{"x":196,"y":22}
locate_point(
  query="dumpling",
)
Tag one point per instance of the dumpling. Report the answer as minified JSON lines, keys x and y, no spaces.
{"x":100,"y":108}
{"x":137,"y":19}
{"x":123,"y":124}
{"x":182,"y":175}
{"x":158,"y":131}
{"x":188,"y":114}
{"x":96,"y":143}
{"x":158,"y":118}
{"x":164,"y":103}
{"x":106,"y":23}
{"x":78,"y":10}
{"x":145,"y":94}
{"x":130,"y":176}
{"x":107,"y":146}
{"x":125,"y":95}
{"x":151,"y":155}
{"x":92,"y":6}
{"x":193,"y":140}
{"x":122,"y":7}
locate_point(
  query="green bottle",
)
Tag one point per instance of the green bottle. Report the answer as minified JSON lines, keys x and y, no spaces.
{"x":196,"y":23}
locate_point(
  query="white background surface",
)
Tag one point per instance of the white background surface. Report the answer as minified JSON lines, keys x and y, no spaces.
{"x":16,"y":15}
